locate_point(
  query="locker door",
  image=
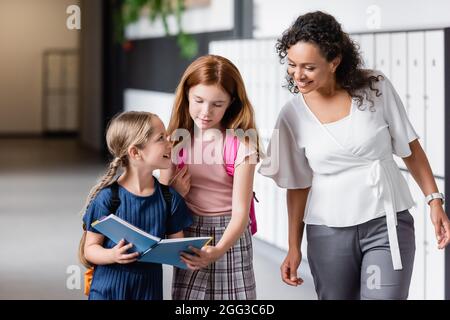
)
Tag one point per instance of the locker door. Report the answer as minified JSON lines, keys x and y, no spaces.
{"x":434,"y":103}
{"x":367,"y":44}
{"x":383,"y":53}
{"x":399,"y":77}
{"x":255,"y":79}
{"x":55,"y":114}
{"x":279,"y":219}
{"x":245,"y":57}
{"x":269,"y":192}
{"x":416,"y":83}
{"x":261,"y":209}
{"x":398,"y":64}
{"x":434,"y":260}
{"x":71,"y":112}
{"x":233,"y":53}
{"x":417,"y":287}
{"x":214,"y":47}
{"x":258,"y":101}
{"x":271,"y":81}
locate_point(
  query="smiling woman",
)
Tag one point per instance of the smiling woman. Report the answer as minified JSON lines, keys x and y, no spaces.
{"x":320,"y":46}
{"x":337,"y":163}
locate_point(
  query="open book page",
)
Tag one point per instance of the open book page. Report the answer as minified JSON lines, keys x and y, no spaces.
{"x":167,"y":251}
{"x":116,"y":229}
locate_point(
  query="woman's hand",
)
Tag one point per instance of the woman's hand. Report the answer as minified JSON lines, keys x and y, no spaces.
{"x":202,"y":258}
{"x":181,"y":181}
{"x":289,"y":268}
{"x":119,"y":253}
{"x":441,"y":223}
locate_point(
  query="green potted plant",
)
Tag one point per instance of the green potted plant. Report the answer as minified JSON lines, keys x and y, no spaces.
{"x":131,"y":11}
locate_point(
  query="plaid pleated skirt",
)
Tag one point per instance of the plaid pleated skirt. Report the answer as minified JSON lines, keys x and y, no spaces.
{"x":229,"y":278}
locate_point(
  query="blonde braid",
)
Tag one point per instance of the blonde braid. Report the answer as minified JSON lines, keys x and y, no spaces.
{"x":105,"y":181}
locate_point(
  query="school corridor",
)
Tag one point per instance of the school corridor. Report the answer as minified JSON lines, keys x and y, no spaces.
{"x":68,"y":66}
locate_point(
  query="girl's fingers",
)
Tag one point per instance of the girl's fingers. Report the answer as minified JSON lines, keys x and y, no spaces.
{"x":194,"y":268}
{"x":185,"y":172}
{"x":178,"y":174}
{"x":189,"y":257}
{"x":129,"y":256}
{"x":187,"y":262}
{"x":125,"y":248}
{"x":121,"y":243}
{"x":196,"y":251}
{"x":194,"y":260}
{"x":191,"y":265}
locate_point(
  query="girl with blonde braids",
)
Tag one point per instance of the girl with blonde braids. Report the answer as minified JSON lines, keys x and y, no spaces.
{"x":138,"y":142}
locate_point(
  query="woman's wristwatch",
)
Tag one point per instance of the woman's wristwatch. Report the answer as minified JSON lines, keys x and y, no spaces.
{"x":435,"y":195}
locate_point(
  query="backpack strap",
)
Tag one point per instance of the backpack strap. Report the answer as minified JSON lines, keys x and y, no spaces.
{"x":115,"y":200}
{"x":115,"y":203}
{"x":230,"y":151}
{"x":167,"y":198}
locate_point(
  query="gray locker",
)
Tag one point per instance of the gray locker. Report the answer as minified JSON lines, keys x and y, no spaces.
{"x":416,"y":82}
{"x":398,"y":75}
{"x":383,"y":53}
{"x":435,"y":100}
{"x":367,"y":43}
{"x":434,"y":259}
{"x":60,"y":112}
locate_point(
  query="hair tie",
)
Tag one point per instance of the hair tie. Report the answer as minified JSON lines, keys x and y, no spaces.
{"x":117,"y":160}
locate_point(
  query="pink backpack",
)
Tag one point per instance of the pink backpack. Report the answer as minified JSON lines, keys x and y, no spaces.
{"x":230,"y":150}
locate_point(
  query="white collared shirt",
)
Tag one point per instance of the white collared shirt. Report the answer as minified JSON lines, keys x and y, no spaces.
{"x":353,"y":177}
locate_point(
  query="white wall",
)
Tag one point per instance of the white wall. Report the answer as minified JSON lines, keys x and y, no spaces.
{"x":27,"y":28}
{"x":159,"y":103}
{"x":219,"y":16}
{"x":273,"y":17}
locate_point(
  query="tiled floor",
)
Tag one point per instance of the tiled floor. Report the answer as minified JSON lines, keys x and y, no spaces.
{"x":43,"y":185}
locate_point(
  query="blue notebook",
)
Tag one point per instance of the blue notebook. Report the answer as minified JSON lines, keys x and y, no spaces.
{"x":151,"y":248}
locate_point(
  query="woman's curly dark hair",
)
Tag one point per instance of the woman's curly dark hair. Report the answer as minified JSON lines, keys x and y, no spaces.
{"x":324,"y":31}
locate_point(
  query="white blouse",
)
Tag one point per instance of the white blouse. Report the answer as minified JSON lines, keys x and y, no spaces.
{"x":353,"y":179}
{"x":339,"y":129}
